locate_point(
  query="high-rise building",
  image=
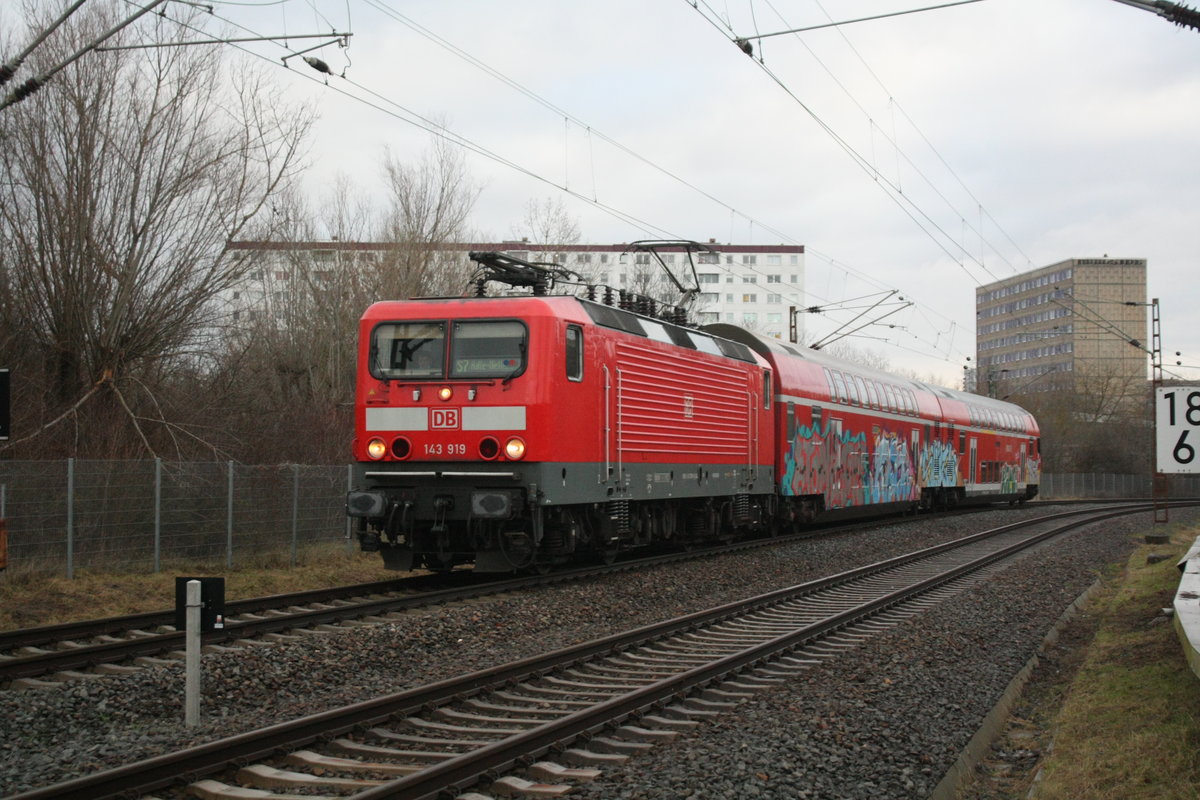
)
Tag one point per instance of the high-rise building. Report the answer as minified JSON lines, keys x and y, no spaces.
{"x":1063,"y":327}
{"x":748,"y":285}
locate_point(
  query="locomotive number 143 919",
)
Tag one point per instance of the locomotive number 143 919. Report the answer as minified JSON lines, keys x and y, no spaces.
{"x":445,"y":449}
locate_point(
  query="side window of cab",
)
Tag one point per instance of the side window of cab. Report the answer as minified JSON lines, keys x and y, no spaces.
{"x":574,"y":353}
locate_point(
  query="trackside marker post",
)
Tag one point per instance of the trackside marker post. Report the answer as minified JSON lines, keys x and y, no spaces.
{"x":192,"y":681}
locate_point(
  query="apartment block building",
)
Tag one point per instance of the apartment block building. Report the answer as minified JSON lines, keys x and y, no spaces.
{"x":1056,"y":327}
{"x":748,"y":285}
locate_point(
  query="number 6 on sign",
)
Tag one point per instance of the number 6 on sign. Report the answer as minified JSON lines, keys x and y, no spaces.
{"x":1177,"y":420}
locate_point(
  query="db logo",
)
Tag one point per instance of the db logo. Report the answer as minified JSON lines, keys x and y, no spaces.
{"x":442,"y":418}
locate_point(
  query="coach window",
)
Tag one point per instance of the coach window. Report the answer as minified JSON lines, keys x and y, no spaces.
{"x":840,"y":385}
{"x":852,"y":390}
{"x":488,"y":349}
{"x":862,"y":391}
{"x":574,"y":353}
{"x":401,"y":350}
{"x":889,"y":398}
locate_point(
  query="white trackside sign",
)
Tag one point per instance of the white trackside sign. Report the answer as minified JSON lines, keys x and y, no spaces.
{"x":1177,"y":420}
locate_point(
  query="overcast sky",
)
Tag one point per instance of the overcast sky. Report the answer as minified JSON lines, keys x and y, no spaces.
{"x":928,"y":153}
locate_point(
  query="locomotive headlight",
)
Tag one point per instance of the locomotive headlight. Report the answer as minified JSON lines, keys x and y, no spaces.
{"x":514,"y":448}
{"x":376,"y":448}
{"x":445,"y":393}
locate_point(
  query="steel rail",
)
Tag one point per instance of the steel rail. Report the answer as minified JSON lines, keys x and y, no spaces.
{"x":39,"y":636}
{"x":460,"y":772}
{"x":91,"y":655}
{"x":165,"y":770}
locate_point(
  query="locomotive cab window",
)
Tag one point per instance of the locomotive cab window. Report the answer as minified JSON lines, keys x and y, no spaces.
{"x":401,"y":350}
{"x":574,"y":353}
{"x":488,"y":349}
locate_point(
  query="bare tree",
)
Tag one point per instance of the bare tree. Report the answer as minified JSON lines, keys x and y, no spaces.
{"x":430,"y":202}
{"x":1096,"y":420}
{"x":290,"y":356}
{"x":547,"y":222}
{"x":120,"y":183}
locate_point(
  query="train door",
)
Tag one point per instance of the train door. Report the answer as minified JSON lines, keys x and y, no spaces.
{"x":1022,"y":477}
{"x":608,"y":433}
{"x":973,"y":462}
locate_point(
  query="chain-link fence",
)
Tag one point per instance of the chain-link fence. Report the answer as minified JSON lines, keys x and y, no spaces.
{"x":68,"y":515}
{"x":1100,"y":486}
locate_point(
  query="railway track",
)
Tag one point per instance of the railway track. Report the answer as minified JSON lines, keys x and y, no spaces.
{"x":35,"y":658}
{"x":587,"y":705}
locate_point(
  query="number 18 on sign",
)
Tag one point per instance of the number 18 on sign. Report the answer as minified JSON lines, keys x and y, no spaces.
{"x":1177,"y":417}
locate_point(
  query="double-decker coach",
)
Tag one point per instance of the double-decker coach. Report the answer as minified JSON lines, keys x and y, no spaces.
{"x":855,"y":439}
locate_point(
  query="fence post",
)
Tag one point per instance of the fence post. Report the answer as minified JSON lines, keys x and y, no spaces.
{"x":229,"y":521}
{"x":295,"y":508}
{"x":349,"y":522}
{"x":157,"y":514}
{"x":70,"y":519}
{"x":3,"y":531}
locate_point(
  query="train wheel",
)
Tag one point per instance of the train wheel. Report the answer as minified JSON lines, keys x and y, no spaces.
{"x":518,"y":548}
{"x":608,"y":553}
{"x":442,"y":562}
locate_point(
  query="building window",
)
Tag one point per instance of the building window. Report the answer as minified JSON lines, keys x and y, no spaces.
{"x":750,"y":279}
{"x":728,"y":298}
{"x":749,"y":298}
{"x":774,"y":298}
{"x":749,"y":259}
{"x":774,"y":279}
{"x":749,"y":318}
{"x":709,"y":277}
{"x":774,"y":261}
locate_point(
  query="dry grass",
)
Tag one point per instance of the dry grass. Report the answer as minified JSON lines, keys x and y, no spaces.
{"x":1130,"y":726}
{"x":29,"y":599}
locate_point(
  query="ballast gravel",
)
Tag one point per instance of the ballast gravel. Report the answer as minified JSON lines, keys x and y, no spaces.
{"x":885,"y":720}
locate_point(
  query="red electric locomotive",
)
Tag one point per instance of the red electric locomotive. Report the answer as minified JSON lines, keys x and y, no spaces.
{"x":515,"y":432}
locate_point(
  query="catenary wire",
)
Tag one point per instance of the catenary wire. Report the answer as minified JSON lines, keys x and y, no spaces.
{"x":438,"y":130}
